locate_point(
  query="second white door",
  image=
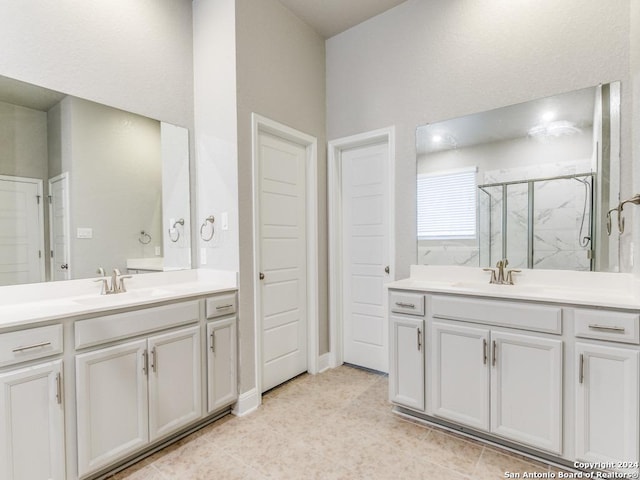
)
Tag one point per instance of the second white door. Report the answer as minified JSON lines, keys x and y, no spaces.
{"x":365,"y":255}
{"x":283,"y":264}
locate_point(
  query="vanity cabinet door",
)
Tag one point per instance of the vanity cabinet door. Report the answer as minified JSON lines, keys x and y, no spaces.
{"x":111,"y":390}
{"x":460,"y":371}
{"x":175,"y":385}
{"x":32,"y":419}
{"x":222,"y":385}
{"x":526,"y":390}
{"x":406,"y":382}
{"x":606,"y":404}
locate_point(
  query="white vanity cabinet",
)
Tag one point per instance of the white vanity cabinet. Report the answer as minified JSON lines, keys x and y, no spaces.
{"x":606,"y":383}
{"x":32,"y":419}
{"x":505,"y":383}
{"x":32,"y":405}
{"x":138,"y":391}
{"x":406,"y":386}
{"x":493,"y":366}
{"x":406,"y":351}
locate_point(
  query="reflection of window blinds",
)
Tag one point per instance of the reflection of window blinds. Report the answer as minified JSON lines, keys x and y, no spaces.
{"x":447,"y":204}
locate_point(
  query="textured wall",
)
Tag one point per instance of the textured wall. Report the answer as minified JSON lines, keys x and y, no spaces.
{"x":428,"y":60}
{"x":281,"y":75}
{"x":131,"y":55}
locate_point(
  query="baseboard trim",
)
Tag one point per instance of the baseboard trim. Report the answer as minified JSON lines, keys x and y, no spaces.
{"x":247,"y":403}
{"x":324,"y":362}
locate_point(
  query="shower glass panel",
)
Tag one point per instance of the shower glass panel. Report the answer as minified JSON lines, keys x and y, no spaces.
{"x":538,"y":223}
{"x":562,"y":224}
{"x":517,"y":228}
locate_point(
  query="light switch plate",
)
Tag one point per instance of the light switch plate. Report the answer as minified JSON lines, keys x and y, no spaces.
{"x":157,"y":251}
{"x":224,"y":221}
{"x":203,"y":256}
{"x":84,"y":232}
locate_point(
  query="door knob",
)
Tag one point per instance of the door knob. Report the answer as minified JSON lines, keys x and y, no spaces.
{"x":386,"y":269}
{"x":64,"y":266}
{"x":261,"y":276}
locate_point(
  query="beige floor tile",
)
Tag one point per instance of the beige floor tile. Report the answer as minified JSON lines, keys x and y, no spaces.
{"x":139,"y":471}
{"x":493,"y":465}
{"x":336,"y":425}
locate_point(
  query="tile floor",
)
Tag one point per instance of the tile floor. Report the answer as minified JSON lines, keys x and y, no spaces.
{"x":336,"y":425}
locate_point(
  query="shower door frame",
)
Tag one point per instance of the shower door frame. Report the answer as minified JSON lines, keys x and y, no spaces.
{"x":530,"y":210}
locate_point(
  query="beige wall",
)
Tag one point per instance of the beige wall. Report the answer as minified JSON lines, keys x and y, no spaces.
{"x":427,"y":60}
{"x":115,"y":182}
{"x":23,"y":142}
{"x":280,"y":75}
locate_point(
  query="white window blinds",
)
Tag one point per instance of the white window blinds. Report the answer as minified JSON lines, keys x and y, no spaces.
{"x":447,"y":204}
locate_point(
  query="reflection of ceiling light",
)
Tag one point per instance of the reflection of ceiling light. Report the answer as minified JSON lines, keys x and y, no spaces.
{"x":553,"y":129}
{"x":548,"y":116}
{"x":436,"y":138}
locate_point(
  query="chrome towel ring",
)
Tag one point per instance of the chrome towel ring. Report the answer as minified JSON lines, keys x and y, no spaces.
{"x":209,"y":219}
{"x":144,"y":238}
{"x":174,"y":229}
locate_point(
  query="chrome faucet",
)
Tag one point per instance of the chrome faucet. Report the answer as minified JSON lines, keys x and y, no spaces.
{"x":501,"y":276}
{"x":117,"y":282}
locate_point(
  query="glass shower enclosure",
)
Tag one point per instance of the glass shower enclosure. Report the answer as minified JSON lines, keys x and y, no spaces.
{"x":538,"y":223}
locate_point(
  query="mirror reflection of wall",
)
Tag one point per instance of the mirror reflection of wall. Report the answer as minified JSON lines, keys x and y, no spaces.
{"x":81,"y":186}
{"x":528,"y":182}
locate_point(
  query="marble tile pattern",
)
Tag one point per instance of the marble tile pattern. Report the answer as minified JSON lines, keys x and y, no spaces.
{"x":335,"y":425}
{"x":558,"y":211}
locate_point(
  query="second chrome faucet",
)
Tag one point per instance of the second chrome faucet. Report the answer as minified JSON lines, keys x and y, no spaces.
{"x":117,"y":282}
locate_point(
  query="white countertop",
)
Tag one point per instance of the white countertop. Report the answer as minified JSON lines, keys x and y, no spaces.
{"x":597,"y":289}
{"x":22,"y":305}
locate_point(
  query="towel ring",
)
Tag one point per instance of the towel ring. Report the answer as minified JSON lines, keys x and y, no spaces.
{"x":209,"y":219}
{"x":145,"y":238}
{"x":177,"y":222}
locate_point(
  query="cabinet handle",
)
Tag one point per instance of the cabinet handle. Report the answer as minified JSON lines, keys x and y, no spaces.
{"x":29,"y":347}
{"x":405,"y":305}
{"x":145,"y":362}
{"x":605,"y":327}
{"x":154,"y":363}
{"x":419,"y":339}
{"x":581,"y":369}
{"x":59,"y":388}
{"x":220,"y":307}
{"x":484,"y":350}
{"x":495,"y":353}
{"x":213,"y":342}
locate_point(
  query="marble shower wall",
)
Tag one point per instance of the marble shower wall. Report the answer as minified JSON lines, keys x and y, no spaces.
{"x":557,"y":217}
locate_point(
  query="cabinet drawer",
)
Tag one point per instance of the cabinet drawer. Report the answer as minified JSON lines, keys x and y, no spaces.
{"x":122,"y":325}
{"x":30,"y":344}
{"x":607,"y":325}
{"x":524,"y":316}
{"x":410,"y":303}
{"x":221,"y":305}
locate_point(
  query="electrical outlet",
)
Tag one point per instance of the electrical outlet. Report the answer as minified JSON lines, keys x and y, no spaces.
{"x":84,"y":233}
{"x":158,"y":252}
{"x":203,"y":256}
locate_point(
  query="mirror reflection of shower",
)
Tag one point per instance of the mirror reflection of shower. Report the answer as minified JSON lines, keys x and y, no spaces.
{"x":544,"y":222}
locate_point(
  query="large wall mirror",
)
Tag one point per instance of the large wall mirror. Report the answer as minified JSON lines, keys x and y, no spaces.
{"x":531,"y":182}
{"x":84,"y":185}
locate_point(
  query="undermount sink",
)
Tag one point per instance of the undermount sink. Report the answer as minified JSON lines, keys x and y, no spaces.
{"x":121,"y":297}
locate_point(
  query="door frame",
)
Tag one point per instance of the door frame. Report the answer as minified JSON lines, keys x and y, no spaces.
{"x":39,"y":184}
{"x":260,"y":124}
{"x":334,"y":193}
{"x":64,"y":177}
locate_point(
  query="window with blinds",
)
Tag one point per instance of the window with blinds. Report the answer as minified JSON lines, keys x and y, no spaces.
{"x":447,"y":205}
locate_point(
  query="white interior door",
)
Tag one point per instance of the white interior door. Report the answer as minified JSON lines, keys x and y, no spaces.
{"x":365,"y":255}
{"x":59,"y":227}
{"x":282,"y":201}
{"x":21,"y":231}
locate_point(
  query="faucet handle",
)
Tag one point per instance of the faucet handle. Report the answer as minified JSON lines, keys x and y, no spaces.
{"x":493,"y":278}
{"x":100,"y":271}
{"x":121,"y":278}
{"x":105,"y":285}
{"x":510,"y":273}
